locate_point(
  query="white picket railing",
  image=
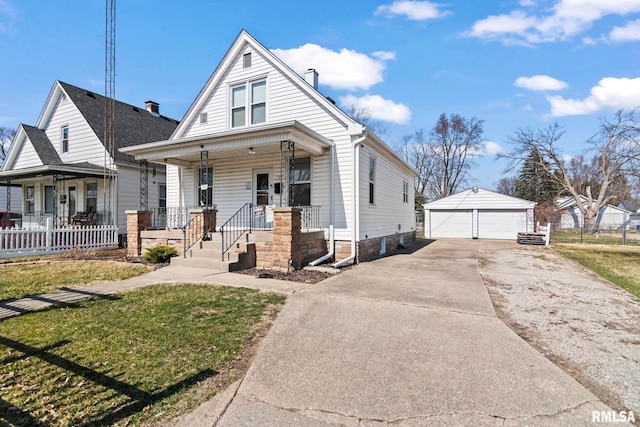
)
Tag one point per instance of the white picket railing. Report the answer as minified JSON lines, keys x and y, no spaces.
{"x":48,"y":240}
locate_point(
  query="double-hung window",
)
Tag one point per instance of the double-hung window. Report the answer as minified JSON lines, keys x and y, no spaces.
{"x":405,"y":192}
{"x":302,"y":181}
{"x":91,"y":197}
{"x":30,"y":200}
{"x":249,"y":103}
{"x":48,"y":198}
{"x":64,"y":136}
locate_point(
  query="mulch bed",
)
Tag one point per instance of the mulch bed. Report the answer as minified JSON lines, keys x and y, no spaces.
{"x":301,"y":276}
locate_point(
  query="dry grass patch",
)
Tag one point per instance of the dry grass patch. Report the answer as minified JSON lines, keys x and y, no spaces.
{"x":619,"y":264}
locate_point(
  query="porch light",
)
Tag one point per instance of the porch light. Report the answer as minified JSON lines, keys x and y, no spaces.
{"x":251,"y":150}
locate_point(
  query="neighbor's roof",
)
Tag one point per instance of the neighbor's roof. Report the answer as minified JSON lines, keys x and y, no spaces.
{"x":133,"y":125}
{"x":42,"y":145}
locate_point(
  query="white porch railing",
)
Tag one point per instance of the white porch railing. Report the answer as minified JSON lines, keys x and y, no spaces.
{"x":48,"y":240}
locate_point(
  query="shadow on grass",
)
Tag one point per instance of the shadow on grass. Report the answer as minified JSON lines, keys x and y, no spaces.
{"x":64,"y":297}
{"x":138,"y":398}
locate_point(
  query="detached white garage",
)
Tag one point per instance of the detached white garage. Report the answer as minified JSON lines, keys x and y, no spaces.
{"x":477,"y":213}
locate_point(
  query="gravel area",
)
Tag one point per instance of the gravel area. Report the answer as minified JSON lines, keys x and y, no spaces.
{"x":580,"y":321}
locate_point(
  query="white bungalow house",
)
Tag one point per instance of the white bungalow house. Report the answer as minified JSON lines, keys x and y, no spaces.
{"x":609,"y":216}
{"x":66,"y":173}
{"x":260,"y":136}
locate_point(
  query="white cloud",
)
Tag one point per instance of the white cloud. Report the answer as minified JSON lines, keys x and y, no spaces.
{"x":344,"y":69}
{"x":491,"y":148}
{"x":611,"y":93}
{"x":527,"y":3}
{"x":564,"y":20}
{"x":540,"y":83}
{"x":7,"y":13}
{"x":379,"y":108}
{"x":629,"y":32}
{"x":413,"y":10}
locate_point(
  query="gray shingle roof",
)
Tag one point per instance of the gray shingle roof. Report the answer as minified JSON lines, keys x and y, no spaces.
{"x":42,"y":145}
{"x":133,"y":125}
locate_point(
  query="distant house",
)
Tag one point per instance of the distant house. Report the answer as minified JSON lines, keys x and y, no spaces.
{"x":608,"y":216}
{"x":64,"y":170}
{"x":260,"y":135}
{"x":477,"y":213}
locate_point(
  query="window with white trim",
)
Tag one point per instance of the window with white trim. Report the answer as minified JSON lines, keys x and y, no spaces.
{"x":30,"y":200}
{"x":162,"y":195}
{"x":302,"y":181}
{"x":246,"y":60}
{"x":372,"y":180}
{"x":64,"y":137}
{"x":249,"y":103}
{"x":48,"y":198}
{"x":405,"y":192}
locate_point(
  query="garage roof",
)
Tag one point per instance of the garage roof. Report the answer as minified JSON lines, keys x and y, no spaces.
{"x":479,"y":198}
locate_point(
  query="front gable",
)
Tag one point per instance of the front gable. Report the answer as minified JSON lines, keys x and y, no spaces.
{"x":26,"y":155}
{"x":247,"y":73}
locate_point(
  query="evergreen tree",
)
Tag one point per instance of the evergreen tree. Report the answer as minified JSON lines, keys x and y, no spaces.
{"x":536,"y":181}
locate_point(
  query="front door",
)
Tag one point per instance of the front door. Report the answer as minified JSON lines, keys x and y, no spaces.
{"x":262,"y":198}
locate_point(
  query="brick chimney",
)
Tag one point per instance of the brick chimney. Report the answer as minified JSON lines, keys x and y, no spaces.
{"x":153,"y":107}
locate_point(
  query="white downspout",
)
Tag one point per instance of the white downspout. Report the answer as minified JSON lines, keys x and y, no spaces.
{"x":331,"y":211}
{"x":355,"y":200}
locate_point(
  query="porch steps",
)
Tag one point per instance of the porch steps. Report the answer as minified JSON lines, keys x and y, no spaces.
{"x":208,"y":253}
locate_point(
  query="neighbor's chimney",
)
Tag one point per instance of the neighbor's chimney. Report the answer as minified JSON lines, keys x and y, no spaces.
{"x":311,"y":77}
{"x":153,"y":107}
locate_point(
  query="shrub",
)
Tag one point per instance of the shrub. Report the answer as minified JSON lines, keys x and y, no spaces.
{"x":160,"y":254}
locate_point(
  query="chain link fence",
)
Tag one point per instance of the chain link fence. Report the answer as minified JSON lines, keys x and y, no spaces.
{"x":600,"y":234}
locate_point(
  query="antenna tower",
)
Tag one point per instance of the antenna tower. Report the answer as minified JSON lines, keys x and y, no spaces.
{"x":109,"y":108}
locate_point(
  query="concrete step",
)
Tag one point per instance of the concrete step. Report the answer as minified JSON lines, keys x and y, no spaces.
{"x":212,"y":264}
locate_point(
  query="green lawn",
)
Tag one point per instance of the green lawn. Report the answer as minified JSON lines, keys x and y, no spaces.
{"x":619,"y":264}
{"x":18,"y":280}
{"x":150,"y":354}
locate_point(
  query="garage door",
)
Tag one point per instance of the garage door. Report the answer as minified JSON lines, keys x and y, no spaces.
{"x":450,"y":224}
{"x":501,"y":224}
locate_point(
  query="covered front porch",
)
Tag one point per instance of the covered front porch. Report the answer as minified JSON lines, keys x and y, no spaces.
{"x":269,"y":166}
{"x":64,"y":195}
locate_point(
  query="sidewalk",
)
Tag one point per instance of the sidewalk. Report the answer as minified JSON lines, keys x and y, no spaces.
{"x":169,"y":274}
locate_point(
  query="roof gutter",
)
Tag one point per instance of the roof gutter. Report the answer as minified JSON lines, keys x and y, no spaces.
{"x":355,"y":200}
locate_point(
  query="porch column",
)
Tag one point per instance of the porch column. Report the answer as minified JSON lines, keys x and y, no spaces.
{"x":287,"y":157}
{"x":287,"y":239}
{"x":136,"y":222}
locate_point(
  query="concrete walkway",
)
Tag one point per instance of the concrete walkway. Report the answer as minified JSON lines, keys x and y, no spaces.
{"x":409,"y":340}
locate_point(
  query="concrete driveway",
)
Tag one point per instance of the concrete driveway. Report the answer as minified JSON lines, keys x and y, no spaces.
{"x":411,"y":340}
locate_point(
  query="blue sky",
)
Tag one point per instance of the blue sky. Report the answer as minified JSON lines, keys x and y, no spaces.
{"x":512,"y":63}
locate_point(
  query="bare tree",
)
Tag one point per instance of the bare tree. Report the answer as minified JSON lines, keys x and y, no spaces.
{"x":507,"y":185}
{"x":456,"y":141}
{"x":362,"y":115}
{"x":614,"y":152}
{"x":6,"y":136}
{"x":416,"y":150}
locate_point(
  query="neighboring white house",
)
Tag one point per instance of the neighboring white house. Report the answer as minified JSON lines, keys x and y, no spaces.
{"x":477,"y":213}
{"x":63,"y":167}
{"x":609,"y":216}
{"x":12,"y":195}
{"x":266,"y":136}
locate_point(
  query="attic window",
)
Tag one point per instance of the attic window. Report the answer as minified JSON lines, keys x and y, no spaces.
{"x":203,"y":117}
{"x":91,"y":95}
{"x":246,"y":60}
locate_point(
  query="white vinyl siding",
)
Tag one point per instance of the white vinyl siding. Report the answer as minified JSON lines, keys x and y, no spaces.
{"x":129,"y":192}
{"x":28,"y":157}
{"x":388,"y":215}
{"x":15,"y":197}
{"x":84,"y":145}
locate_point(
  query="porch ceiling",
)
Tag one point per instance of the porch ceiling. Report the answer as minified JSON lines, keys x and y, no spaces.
{"x":236,"y":143}
{"x":83,"y":170}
